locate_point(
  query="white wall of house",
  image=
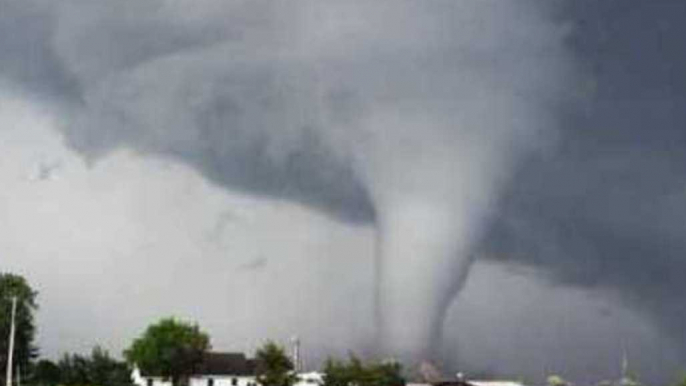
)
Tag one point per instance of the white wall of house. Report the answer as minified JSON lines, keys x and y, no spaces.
{"x":204,"y":380}
{"x":222,"y":380}
{"x":155,"y":381}
{"x":304,"y":379}
{"x":139,"y":380}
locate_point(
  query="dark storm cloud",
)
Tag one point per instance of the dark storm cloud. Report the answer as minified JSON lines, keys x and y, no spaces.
{"x":27,"y":56}
{"x":115,"y":59}
{"x":67,"y":52}
{"x":604,"y":208}
{"x":607,"y":209}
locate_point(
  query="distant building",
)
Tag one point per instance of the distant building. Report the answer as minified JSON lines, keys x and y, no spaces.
{"x":216,"y":369}
{"x":222,"y":369}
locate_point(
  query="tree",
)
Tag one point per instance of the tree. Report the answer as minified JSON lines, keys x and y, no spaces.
{"x":355,"y":372}
{"x":103,"y":370}
{"x":338,"y":373}
{"x":98,"y":369}
{"x":24,"y":350}
{"x":274,"y":367}
{"x":335,"y":374}
{"x":74,"y":370}
{"x":46,"y":373}
{"x":170,"y":349}
{"x":386,"y":374}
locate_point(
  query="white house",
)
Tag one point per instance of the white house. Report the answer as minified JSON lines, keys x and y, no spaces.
{"x":216,"y":369}
{"x":222,"y":369}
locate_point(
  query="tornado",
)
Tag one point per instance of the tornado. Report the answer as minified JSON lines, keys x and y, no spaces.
{"x":434,"y":192}
{"x":422,"y":262}
{"x":436,"y":161}
{"x":409,"y":116}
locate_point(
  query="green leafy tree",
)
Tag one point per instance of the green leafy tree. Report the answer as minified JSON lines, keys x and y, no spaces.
{"x":24,"y":349}
{"x":103,"y":370}
{"x":170,"y":349}
{"x":337,"y":373}
{"x":387,"y":374}
{"x":98,"y":369}
{"x":356,"y":373}
{"x":46,"y":373}
{"x":274,"y":367}
{"x":74,"y":370}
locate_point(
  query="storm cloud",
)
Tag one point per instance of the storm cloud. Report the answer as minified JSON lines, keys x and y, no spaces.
{"x":553,"y":133}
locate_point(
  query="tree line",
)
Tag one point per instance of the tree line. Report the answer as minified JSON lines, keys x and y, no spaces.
{"x":98,"y":368}
{"x":170,"y":348}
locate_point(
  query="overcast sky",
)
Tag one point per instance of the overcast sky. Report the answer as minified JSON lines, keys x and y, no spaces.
{"x":222,"y":162}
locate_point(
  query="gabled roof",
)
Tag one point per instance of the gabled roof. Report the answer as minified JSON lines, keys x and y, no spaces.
{"x":451,"y":382}
{"x":218,"y":364}
{"x":225,"y":364}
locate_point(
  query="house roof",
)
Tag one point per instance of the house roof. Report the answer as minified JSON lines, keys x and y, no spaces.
{"x":451,"y":382}
{"x":225,"y":364}
{"x":218,"y":364}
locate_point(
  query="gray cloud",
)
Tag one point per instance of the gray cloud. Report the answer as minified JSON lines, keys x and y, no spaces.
{"x":257,"y":264}
{"x":320,"y":104}
{"x":246,"y":101}
{"x":414,"y":125}
{"x":603,"y":211}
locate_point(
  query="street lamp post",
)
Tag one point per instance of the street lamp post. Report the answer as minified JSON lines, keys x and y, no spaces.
{"x":10,"y":354}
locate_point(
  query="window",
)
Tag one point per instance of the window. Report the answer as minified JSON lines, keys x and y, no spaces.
{"x":234,"y":382}
{"x":210,"y":381}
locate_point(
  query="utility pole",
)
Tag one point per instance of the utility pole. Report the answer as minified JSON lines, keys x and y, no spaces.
{"x":296,"y":353}
{"x":10,"y":354}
